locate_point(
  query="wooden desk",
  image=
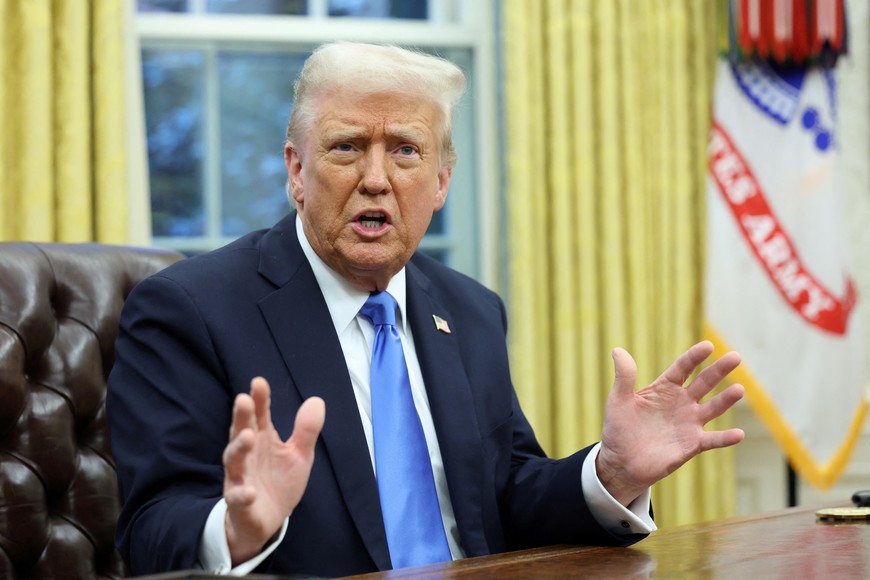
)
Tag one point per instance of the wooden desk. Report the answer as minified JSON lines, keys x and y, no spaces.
{"x":788,"y":544}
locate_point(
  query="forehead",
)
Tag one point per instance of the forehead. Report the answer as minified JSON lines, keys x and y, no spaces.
{"x":390,"y":112}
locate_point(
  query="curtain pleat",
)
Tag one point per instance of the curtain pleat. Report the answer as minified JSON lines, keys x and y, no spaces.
{"x":72,"y":121}
{"x":560,"y":216}
{"x":30,"y":156}
{"x":110,"y":138}
{"x":63,"y":120}
{"x":583,"y":424}
{"x":526,"y":221}
{"x":607,"y":113}
{"x":5,"y":126}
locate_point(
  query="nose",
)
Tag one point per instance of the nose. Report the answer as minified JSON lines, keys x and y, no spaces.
{"x":375,"y":172}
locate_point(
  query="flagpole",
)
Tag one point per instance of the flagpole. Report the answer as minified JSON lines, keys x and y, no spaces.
{"x":792,"y":484}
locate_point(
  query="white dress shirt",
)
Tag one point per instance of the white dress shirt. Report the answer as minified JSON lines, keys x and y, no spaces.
{"x":356,"y":335}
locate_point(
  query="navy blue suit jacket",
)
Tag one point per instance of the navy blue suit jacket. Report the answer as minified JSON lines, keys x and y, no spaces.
{"x":194,"y":335}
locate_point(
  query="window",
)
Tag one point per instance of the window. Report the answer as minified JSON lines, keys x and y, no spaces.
{"x":217,"y":77}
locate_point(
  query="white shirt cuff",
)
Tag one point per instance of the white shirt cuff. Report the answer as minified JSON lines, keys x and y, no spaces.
{"x":609,"y":513}
{"x":214,"y":550}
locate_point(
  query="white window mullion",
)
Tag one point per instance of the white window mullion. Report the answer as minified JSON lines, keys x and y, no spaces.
{"x":438,"y":11}
{"x":196,"y":6}
{"x":318,"y":9}
{"x":472,"y":13}
{"x":297,"y":29}
{"x":486,"y":121}
{"x":212,"y":149}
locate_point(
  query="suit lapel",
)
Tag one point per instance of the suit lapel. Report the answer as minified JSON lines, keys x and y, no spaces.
{"x":452,"y":405}
{"x":299,"y":321}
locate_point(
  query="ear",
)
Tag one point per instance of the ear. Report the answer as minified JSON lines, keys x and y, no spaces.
{"x":444,"y":176}
{"x":293,"y":163}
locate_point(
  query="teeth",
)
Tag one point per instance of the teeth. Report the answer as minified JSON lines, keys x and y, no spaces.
{"x":372,"y":219}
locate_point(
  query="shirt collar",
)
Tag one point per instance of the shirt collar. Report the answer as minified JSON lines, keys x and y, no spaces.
{"x":342,"y":298}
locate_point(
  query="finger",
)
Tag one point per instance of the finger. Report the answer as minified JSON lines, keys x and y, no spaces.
{"x":262,"y":396}
{"x":716,"y":406}
{"x":720,"y":439}
{"x":243,"y":415}
{"x":687,"y":362}
{"x":235,"y":457}
{"x":309,"y":422}
{"x":240,"y":495}
{"x":711,"y":376}
{"x":624,"y":373}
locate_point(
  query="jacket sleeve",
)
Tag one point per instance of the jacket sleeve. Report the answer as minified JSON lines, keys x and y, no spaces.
{"x":168,"y":410}
{"x":543,"y":503}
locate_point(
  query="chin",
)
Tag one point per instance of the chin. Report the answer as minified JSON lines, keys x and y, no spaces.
{"x":376,"y":264}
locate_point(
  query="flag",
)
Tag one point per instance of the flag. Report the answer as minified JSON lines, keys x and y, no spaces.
{"x":779,"y":288}
{"x":788,"y":32}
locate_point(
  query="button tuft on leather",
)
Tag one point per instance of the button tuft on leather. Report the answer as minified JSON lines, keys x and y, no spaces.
{"x":60,"y":305}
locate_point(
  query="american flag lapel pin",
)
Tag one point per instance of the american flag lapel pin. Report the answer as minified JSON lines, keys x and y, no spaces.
{"x":441,"y":324}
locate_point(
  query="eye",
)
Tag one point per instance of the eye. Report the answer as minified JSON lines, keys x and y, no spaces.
{"x":344,"y":147}
{"x":407,"y":150}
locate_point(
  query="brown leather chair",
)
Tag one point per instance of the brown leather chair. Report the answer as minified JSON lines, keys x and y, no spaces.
{"x":59,"y":309}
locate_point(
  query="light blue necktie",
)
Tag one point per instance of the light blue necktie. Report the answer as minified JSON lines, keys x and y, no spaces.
{"x":412,"y":516}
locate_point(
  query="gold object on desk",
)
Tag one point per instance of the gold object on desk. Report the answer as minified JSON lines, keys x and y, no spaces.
{"x":844,"y":514}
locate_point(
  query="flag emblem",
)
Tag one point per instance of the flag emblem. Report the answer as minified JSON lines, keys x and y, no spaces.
{"x":441,"y":324}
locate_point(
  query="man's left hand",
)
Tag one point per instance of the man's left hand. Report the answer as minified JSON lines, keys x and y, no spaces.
{"x":648,"y":434}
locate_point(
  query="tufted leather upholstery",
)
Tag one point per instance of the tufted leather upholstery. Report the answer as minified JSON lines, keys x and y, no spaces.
{"x":59,"y":309}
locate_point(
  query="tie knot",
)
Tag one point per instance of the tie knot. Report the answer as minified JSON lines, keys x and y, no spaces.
{"x":380,"y":308}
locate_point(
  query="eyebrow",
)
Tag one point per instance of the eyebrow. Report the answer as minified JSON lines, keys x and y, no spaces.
{"x":348,"y":134}
{"x":401,"y":133}
{"x":406,"y":134}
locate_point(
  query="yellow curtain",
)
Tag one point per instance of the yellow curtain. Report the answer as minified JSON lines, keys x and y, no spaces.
{"x":607,"y":115}
{"x":63,"y":133}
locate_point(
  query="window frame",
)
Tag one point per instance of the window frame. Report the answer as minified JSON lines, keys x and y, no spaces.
{"x":452,"y":24}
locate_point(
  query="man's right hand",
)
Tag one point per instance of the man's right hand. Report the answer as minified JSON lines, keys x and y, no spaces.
{"x":265,"y":477}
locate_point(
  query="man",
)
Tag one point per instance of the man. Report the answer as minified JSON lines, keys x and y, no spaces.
{"x":212,"y":476}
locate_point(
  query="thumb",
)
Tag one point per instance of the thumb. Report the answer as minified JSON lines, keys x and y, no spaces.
{"x":624,"y":373}
{"x":309,"y":422}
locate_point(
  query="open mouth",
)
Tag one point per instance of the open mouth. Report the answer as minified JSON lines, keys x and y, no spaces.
{"x":372,"y":219}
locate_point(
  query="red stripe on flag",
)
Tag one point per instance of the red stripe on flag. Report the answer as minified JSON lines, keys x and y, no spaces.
{"x":771,"y":243}
{"x":765,"y":41}
{"x":801,"y":34}
{"x":747,"y":41}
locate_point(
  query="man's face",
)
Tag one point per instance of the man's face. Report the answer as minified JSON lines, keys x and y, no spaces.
{"x":366,"y":180}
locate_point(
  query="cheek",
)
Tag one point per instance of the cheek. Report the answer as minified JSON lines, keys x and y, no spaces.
{"x":329,"y":188}
{"x":420,"y":214}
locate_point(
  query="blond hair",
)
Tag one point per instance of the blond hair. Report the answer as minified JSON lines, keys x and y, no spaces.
{"x":372,"y":68}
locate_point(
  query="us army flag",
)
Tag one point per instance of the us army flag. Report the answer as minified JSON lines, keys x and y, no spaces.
{"x":778,"y":282}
